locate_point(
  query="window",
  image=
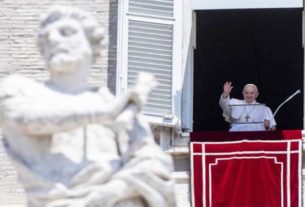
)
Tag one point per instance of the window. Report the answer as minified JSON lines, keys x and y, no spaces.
{"x":242,"y":4}
{"x":149,"y":40}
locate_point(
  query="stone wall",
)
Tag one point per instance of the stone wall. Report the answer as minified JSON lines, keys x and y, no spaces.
{"x":19,"y":21}
{"x":11,"y":193}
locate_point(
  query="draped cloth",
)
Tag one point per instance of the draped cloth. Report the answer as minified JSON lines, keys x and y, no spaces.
{"x":246,"y":173}
{"x":84,"y":165}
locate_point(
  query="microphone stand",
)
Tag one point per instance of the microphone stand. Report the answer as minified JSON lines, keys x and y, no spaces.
{"x":288,"y":99}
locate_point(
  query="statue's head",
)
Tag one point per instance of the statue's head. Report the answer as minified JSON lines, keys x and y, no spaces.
{"x":69,"y":38}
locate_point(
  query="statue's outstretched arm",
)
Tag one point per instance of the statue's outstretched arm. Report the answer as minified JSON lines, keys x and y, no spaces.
{"x":36,"y":109}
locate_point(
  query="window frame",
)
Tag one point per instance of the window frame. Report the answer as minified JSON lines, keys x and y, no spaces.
{"x":173,"y":120}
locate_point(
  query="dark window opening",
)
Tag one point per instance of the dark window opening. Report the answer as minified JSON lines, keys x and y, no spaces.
{"x":261,"y":46}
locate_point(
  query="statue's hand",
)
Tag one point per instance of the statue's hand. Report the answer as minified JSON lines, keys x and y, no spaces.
{"x":145,"y":83}
{"x":110,"y":194}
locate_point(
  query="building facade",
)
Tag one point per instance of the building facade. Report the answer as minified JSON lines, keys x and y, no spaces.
{"x":19,"y":54}
{"x":155,"y":36}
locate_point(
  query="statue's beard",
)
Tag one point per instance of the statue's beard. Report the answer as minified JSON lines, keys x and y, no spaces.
{"x":64,"y":63}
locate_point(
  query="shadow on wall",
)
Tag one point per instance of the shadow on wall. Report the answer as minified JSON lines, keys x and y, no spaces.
{"x":112,"y":46}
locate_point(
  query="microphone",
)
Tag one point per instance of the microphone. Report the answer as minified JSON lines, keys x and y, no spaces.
{"x":288,"y":99}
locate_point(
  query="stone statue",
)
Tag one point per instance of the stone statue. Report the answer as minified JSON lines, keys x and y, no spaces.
{"x":77,"y":147}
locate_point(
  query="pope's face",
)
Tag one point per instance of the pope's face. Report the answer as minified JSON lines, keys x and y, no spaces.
{"x":250,"y":93}
{"x":65,"y":46}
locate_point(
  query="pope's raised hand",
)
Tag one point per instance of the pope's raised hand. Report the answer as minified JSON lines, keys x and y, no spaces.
{"x":227,"y":88}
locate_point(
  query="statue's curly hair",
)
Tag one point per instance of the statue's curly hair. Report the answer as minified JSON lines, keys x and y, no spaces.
{"x":94,"y":32}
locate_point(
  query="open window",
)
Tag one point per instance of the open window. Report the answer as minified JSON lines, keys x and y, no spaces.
{"x":249,"y":45}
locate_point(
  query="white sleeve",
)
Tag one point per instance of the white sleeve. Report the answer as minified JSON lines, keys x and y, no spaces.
{"x":224,"y":104}
{"x":269,"y":116}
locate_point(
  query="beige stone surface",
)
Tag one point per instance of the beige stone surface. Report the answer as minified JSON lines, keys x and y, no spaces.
{"x":11,"y":193}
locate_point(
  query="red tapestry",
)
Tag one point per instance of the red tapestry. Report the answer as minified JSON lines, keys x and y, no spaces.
{"x":246,"y":173}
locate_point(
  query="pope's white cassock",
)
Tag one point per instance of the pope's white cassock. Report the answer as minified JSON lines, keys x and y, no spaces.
{"x":246,"y":117}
